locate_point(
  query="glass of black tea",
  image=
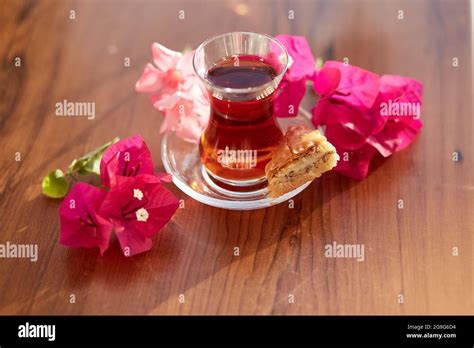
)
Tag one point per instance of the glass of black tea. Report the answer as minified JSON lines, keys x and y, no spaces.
{"x":241,"y":71}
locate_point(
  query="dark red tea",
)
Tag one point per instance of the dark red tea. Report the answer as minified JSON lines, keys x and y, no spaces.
{"x":242,"y":132}
{"x":241,"y":72}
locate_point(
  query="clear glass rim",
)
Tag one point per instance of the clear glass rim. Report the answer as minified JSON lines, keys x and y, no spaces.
{"x":241,"y":90}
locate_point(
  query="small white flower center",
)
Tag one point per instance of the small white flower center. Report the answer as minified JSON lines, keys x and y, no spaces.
{"x":138,"y":194}
{"x":142,"y":214}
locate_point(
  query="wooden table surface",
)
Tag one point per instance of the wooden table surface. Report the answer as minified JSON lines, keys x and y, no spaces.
{"x":408,"y":251}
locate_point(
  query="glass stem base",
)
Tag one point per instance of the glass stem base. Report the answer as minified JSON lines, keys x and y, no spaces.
{"x":236,"y":188}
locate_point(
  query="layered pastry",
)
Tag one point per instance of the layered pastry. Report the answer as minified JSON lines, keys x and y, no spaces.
{"x":302,"y":155}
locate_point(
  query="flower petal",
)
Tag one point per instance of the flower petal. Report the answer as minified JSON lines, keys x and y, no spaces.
{"x":326,"y":81}
{"x":187,"y":118}
{"x":81,"y":225}
{"x":161,"y":207}
{"x":151,"y":80}
{"x":357,"y":87}
{"x":401,"y":94}
{"x":128,"y":157}
{"x":402,"y":91}
{"x":131,"y":240}
{"x":329,"y":111}
{"x":171,"y":122}
{"x":341,"y":135}
{"x":288,"y":98}
{"x":185,"y":64}
{"x":355,"y":164}
{"x":395,"y":136}
{"x":155,"y":209}
{"x":167,"y":102}
{"x":163,"y":57}
{"x":303,"y":66}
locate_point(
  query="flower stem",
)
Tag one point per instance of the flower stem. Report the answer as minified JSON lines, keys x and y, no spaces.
{"x":71,"y":175}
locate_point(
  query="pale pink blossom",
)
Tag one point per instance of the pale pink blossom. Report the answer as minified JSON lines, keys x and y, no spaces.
{"x":175,"y":90}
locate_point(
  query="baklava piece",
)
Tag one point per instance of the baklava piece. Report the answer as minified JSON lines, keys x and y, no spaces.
{"x":303,"y":155}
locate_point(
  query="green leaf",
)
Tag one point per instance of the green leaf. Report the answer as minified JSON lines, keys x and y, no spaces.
{"x":55,"y":184}
{"x":90,"y":162}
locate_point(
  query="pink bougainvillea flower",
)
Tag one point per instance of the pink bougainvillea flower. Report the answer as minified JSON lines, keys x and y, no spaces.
{"x":362,"y":114}
{"x":329,"y":111}
{"x":288,"y":98}
{"x":303,"y":64}
{"x":395,"y":136}
{"x":400,"y":106}
{"x":128,"y":157}
{"x":355,"y":86}
{"x":339,"y":115}
{"x":293,"y":85}
{"x":355,"y":163}
{"x":138,"y":207}
{"x":326,"y":81}
{"x":81,"y":225}
{"x":175,"y":90}
{"x":344,"y":136}
{"x":350,"y":145}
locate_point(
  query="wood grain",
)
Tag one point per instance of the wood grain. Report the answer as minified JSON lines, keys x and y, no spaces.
{"x":407,"y":251}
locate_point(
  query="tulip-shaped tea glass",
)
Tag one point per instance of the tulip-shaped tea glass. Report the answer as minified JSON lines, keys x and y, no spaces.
{"x":241,"y":71}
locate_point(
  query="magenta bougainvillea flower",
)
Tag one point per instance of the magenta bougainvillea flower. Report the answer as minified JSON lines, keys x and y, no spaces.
{"x":326,"y":81}
{"x":400,"y":105}
{"x":128,"y":157}
{"x":292,"y":88}
{"x":355,"y":163}
{"x":303,"y":64}
{"x":174,"y":89}
{"x":352,"y":85}
{"x":81,"y":225}
{"x":138,"y":207}
{"x":365,"y":114}
{"x":288,"y":98}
